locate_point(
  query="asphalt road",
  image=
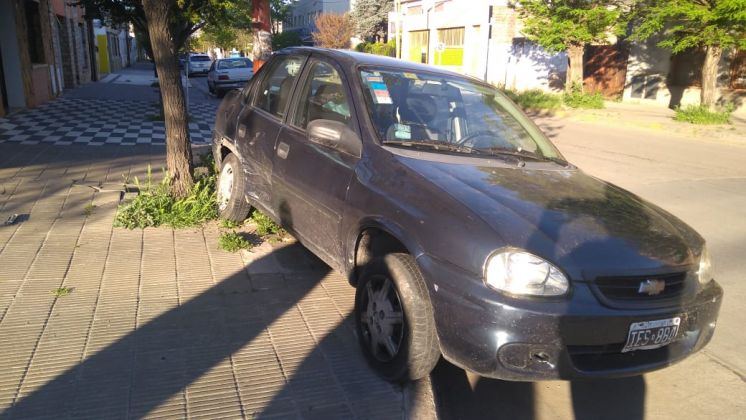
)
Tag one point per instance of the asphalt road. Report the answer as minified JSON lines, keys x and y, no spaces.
{"x":704,"y":183}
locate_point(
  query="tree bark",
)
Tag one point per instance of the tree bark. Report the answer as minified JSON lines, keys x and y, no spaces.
{"x":261,"y":27}
{"x":710,"y":91}
{"x":575,"y":66}
{"x":178,"y":149}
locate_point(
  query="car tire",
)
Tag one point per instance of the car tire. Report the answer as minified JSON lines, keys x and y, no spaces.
{"x":231,"y":187}
{"x":219,"y":93}
{"x":413,"y":342}
{"x":210,"y":88}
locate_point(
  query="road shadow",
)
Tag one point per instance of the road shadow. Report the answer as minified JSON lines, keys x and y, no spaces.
{"x":466,"y":396}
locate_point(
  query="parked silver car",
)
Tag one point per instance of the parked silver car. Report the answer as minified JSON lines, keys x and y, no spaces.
{"x":198,"y":63}
{"x":229,"y":73}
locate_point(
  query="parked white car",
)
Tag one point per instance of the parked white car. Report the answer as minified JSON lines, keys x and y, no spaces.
{"x":198,"y":63}
{"x":229,"y":73}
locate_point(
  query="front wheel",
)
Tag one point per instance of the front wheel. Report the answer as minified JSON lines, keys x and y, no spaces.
{"x":232,"y":204}
{"x":394,"y":319}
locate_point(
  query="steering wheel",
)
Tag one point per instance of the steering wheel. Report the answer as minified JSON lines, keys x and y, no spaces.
{"x":469,"y":139}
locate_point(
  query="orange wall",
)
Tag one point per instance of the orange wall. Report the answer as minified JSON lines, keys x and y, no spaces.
{"x":40,"y":80}
{"x":58,"y":6}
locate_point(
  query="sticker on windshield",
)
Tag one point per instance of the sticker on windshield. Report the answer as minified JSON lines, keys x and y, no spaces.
{"x":410,"y":76}
{"x":402,"y":131}
{"x":378,"y":88}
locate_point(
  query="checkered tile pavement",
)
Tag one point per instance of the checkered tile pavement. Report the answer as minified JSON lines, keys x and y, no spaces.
{"x":96,"y":122}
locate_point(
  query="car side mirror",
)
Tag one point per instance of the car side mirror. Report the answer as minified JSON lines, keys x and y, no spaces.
{"x":336,"y":135}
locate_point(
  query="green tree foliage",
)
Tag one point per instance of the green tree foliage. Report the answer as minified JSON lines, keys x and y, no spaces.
{"x":570,"y":25}
{"x":712,"y":25}
{"x":370,"y":18}
{"x":279,"y":11}
{"x":286,"y":39}
{"x":378,"y":48}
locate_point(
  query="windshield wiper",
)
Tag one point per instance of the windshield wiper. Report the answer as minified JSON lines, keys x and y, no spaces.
{"x":432,"y":144}
{"x":520,"y":153}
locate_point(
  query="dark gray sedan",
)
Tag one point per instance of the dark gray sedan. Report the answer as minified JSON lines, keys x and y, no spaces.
{"x":464,"y":230}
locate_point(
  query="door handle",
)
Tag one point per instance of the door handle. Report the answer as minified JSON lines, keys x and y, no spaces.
{"x":282,"y":150}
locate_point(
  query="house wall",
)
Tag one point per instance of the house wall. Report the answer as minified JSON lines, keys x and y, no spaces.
{"x":12,"y":73}
{"x":648,"y":71}
{"x":304,"y":12}
{"x":505,"y":58}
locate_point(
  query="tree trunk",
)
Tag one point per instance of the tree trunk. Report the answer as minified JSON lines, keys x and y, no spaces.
{"x":178,"y":149}
{"x":261,"y":28}
{"x":575,"y":67}
{"x":710,"y":93}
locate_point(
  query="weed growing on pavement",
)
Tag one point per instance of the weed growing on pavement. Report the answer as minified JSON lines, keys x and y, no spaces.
{"x":264,"y":225}
{"x":233,"y":242}
{"x":576,"y":98}
{"x":61,"y":291}
{"x":535,"y":100}
{"x":229,"y":224}
{"x":88,"y":210}
{"x":700,"y":114}
{"x":154,"y":205}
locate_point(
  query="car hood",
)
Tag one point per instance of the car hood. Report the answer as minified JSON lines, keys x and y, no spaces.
{"x":577,"y":221}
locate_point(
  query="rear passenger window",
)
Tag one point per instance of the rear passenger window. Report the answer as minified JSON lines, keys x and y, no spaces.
{"x":274,"y":92}
{"x":322,"y":97}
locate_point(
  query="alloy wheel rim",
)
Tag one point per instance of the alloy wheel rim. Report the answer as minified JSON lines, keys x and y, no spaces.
{"x":382,"y":319}
{"x":225,"y":186}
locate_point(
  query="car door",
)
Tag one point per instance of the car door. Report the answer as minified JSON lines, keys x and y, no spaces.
{"x":310,"y":179}
{"x":260,"y":121}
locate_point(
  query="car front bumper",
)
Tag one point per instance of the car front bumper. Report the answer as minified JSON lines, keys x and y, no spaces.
{"x":576,"y":337}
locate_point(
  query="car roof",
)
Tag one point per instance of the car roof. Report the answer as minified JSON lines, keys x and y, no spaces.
{"x":352,"y":59}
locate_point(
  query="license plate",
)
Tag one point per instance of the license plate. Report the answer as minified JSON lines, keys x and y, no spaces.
{"x":646,"y":335}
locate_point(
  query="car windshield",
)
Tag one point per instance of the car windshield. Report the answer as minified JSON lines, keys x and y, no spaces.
{"x":234,"y":63}
{"x":199,"y":58}
{"x":449,"y":114}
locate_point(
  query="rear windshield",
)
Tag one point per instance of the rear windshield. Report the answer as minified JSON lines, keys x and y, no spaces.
{"x":448,"y":114}
{"x":234,"y":63}
{"x":199,"y":58}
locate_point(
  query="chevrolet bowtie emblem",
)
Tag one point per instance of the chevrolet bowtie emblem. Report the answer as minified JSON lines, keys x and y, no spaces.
{"x":651,"y":287}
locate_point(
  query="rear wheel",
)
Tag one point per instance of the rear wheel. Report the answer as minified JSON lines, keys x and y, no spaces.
{"x":394,"y":319}
{"x":231,"y":187}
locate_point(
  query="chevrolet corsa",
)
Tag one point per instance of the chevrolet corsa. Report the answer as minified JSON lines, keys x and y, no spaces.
{"x":463,"y":229}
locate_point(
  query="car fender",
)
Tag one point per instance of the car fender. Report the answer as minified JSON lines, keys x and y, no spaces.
{"x":386,"y":225}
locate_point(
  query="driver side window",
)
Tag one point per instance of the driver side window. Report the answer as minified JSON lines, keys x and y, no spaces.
{"x":323,"y":97}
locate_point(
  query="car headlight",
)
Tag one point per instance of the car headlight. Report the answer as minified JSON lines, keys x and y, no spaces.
{"x":521,"y":273}
{"x":704,"y":274}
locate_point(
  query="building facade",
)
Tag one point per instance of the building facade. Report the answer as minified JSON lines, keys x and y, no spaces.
{"x":656,"y":76}
{"x":483,"y":38}
{"x":456,"y":34}
{"x":115,"y":47}
{"x":304,"y":12}
{"x":44,"y":48}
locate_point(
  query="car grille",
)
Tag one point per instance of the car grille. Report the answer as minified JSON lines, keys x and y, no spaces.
{"x":627,"y":289}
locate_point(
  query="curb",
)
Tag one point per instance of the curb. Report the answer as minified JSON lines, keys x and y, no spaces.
{"x":419,"y":400}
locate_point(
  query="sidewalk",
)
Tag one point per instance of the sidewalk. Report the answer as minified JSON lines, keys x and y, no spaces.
{"x":102,"y":112}
{"x":656,"y":118}
{"x":160,"y":322}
